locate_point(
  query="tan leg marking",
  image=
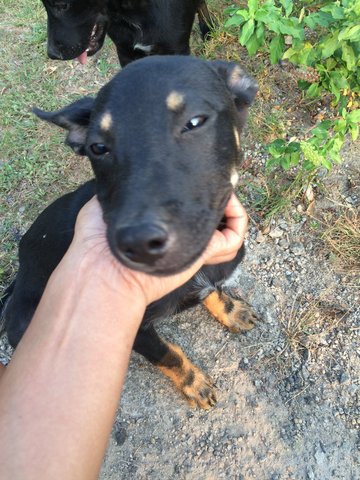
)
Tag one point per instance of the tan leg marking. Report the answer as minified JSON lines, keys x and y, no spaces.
{"x":235,"y":314}
{"x":189,"y":379}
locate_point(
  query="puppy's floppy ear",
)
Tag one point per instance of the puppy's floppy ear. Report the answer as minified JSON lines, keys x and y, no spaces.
{"x":74,"y":118}
{"x":242,"y":87}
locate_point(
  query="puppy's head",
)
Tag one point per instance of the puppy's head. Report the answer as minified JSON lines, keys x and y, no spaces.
{"x":163,"y":138}
{"x":76,"y":28}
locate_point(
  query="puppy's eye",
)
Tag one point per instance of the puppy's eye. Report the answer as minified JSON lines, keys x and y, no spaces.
{"x":195,"y":122}
{"x":99,"y":149}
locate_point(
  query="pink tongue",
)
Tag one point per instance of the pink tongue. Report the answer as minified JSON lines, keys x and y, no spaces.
{"x":82,"y":58}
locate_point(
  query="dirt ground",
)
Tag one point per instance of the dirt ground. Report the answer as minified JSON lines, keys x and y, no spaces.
{"x":280,"y":414}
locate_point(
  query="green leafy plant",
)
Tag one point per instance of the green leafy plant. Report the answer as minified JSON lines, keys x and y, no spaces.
{"x":324,"y":39}
{"x":265,"y":23}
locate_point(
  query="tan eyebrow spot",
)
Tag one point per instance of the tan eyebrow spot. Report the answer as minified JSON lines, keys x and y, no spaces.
{"x":237,"y":138}
{"x":106,"y":121}
{"x":175,"y":100}
{"x":236,"y":74}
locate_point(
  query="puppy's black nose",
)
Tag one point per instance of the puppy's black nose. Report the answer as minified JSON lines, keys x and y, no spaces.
{"x":144,"y":243}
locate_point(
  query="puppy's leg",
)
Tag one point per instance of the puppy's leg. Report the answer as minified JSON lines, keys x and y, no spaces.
{"x":233,"y":313}
{"x":172,"y":361}
{"x":17,"y":314}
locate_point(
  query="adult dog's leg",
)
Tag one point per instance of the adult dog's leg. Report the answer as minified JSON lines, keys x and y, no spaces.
{"x":235,"y":314}
{"x":172,"y":361}
{"x":206,"y":21}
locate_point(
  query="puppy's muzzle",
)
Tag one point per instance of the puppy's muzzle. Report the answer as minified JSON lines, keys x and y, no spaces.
{"x":144,"y":243}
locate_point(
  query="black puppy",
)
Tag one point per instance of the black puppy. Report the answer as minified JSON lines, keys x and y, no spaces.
{"x":163,"y":141}
{"x":77,"y":28}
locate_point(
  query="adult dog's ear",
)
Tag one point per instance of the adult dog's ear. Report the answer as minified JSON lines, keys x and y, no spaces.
{"x":74,"y":118}
{"x":242,"y":87}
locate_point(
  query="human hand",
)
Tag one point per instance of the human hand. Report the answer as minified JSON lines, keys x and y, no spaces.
{"x":90,"y":242}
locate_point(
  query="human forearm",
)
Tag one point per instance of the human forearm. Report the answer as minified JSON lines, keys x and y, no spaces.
{"x":66,"y":376}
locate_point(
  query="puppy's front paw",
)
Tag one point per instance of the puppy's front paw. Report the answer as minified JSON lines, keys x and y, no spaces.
{"x":235,"y":314}
{"x":189,"y":379}
{"x":198,"y":389}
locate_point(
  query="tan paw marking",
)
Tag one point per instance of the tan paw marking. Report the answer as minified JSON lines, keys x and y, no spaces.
{"x":197,"y":387}
{"x":235,"y":314}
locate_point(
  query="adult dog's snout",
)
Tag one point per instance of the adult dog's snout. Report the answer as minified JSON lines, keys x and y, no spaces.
{"x":54,"y":52}
{"x":143,"y":243}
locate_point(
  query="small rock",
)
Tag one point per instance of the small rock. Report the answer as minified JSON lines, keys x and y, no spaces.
{"x":120,"y":436}
{"x":283,"y":243}
{"x":300,"y":209}
{"x":276,"y":233}
{"x":297,"y":249}
{"x":343,"y":377}
{"x":260,"y":237}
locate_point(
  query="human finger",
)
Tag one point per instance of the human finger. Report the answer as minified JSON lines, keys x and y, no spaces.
{"x":224,"y":244}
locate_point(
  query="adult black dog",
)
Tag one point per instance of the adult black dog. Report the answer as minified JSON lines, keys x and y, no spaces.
{"x":77,"y":28}
{"x":163,"y":141}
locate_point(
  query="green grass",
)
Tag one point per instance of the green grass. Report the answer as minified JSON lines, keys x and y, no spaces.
{"x":35,"y":166}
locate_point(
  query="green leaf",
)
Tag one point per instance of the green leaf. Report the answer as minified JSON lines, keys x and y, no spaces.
{"x":247,"y":31}
{"x":329,"y":46}
{"x":288,"y":6}
{"x":339,"y":79}
{"x":348,"y":55}
{"x":277,"y":46}
{"x":253,"y":5}
{"x":299,"y":55}
{"x":285,"y":162}
{"x":253,"y":44}
{"x":291,"y":27}
{"x":326,"y":163}
{"x":276,"y":148}
{"x":262,"y":14}
{"x":350,"y":33}
{"x":293,"y":147}
{"x":294,"y":159}
{"x":334,"y":90}
{"x":314,"y":90}
{"x":354,"y":130}
{"x":235,"y":20}
{"x":272,"y":162}
{"x":321,"y":131}
{"x":335,"y":156}
{"x":260,"y":32}
{"x":320,"y":18}
{"x":354,"y":116}
{"x":340,"y":126}
{"x":338,"y":142}
{"x":334,"y":10}
{"x":230,"y":10}
{"x":330,"y":64}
